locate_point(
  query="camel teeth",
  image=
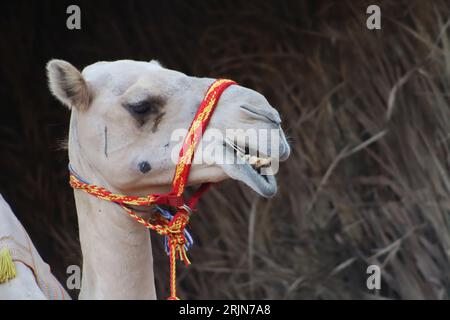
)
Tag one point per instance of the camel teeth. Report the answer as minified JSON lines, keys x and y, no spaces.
{"x":256,"y":162}
{"x":263,"y":162}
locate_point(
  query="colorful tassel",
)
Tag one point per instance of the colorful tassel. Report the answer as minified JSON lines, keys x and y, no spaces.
{"x":7,"y":266}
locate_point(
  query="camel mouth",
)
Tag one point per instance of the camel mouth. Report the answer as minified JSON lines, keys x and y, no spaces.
{"x":251,"y":156}
{"x":250,"y":166}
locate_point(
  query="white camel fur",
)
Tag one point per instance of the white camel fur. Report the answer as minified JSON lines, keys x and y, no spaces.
{"x":122,"y":116}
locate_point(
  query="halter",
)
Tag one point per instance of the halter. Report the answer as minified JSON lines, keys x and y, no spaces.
{"x":173,"y":227}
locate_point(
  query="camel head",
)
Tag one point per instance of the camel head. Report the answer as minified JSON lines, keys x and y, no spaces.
{"x":129,"y":119}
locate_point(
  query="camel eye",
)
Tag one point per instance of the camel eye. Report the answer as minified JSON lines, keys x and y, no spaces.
{"x":141,"y":108}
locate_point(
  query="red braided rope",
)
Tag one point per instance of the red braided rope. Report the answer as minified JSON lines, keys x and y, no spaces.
{"x":173,"y":229}
{"x":195,"y":133}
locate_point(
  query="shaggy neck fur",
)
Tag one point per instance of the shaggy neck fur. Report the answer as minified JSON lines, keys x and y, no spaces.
{"x":117,"y":252}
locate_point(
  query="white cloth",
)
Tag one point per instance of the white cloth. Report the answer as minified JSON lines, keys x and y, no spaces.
{"x":16,"y":239}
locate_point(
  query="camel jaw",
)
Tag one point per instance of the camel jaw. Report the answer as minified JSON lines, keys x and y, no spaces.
{"x":247,"y":169}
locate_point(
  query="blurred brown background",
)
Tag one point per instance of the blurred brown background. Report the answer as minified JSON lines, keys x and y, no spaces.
{"x":367,"y":114}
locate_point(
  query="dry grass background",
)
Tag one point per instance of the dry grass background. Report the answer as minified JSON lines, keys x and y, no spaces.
{"x":367,"y":113}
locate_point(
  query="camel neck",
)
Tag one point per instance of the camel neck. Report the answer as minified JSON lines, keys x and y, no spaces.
{"x":117,"y":252}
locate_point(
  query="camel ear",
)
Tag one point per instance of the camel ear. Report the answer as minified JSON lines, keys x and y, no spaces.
{"x":156,"y":63}
{"x":67,"y":84}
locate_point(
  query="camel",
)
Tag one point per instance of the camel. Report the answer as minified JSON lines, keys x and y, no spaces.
{"x":123,"y":115}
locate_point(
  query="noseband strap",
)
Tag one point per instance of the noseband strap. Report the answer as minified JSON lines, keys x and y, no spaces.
{"x":173,"y":227}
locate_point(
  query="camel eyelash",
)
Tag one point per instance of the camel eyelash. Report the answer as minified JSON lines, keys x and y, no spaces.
{"x":145,"y":107}
{"x":142,"y":108}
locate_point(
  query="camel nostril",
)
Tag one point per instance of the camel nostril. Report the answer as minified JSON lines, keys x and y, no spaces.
{"x":144,"y":167}
{"x":272,"y":116}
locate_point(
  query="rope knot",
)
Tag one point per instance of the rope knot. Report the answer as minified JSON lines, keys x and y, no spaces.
{"x":177,"y":245}
{"x":177,"y":240}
